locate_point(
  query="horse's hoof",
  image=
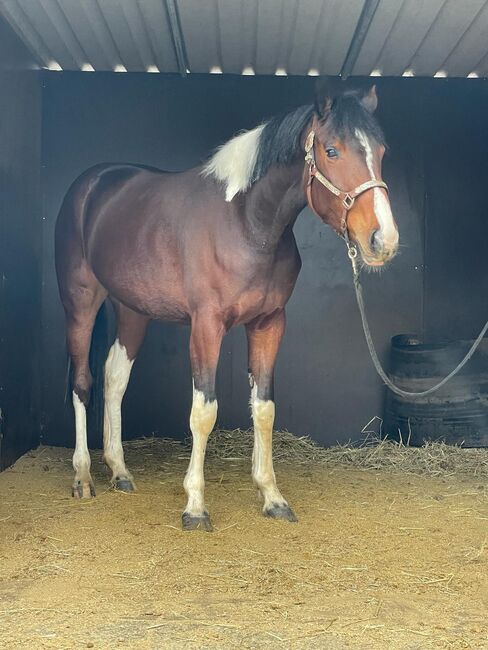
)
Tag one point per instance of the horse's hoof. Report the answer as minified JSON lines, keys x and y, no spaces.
{"x":280,"y":511}
{"x":83,"y":490}
{"x":196,"y":522}
{"x":124,"y":485}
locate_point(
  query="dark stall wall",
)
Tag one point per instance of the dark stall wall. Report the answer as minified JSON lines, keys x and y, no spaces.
{"x":456,"y":278}
{"x":20,"y":252}
{"x":325,"y":384}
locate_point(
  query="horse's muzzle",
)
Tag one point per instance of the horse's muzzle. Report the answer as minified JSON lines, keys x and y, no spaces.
{"x":379,"y":250}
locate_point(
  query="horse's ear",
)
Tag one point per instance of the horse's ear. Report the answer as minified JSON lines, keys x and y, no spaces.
{"x":326,"y":90}
{"x":370,"y":100}
{"x":329,"y":88}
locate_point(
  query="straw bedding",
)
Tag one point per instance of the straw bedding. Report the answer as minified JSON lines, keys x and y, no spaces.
{"x":390,"y":552}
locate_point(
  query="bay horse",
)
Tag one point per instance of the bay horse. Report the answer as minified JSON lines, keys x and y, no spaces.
{"x":213,"y":247}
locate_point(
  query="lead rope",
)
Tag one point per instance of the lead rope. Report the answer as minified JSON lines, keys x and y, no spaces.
{"x":352,"y":253}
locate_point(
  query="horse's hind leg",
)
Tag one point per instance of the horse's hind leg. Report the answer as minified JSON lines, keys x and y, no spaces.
{"x":205,"y":341}
{"x":81,"y":304}
{"x":122,"y":354}
{"x":264,"y":338}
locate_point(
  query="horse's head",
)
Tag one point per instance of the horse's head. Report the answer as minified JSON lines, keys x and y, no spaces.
{"x":345,"y":147}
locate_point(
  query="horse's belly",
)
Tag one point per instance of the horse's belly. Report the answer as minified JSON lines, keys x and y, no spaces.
{"x":157,"y":295}
{"x":162,"y":308}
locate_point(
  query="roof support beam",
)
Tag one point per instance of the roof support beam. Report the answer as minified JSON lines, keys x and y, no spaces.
{"x":22,"y":26}
{"x":177,"y":35}
{"x":364,"y":22}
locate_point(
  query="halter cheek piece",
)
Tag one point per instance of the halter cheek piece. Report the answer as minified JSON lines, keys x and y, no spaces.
{"x":347,"y":198}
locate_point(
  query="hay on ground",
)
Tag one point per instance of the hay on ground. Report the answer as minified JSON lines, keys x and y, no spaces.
{"x":374,"y":453}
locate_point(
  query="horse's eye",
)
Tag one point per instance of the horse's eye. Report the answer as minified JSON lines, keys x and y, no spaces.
{"x":332,"y":152}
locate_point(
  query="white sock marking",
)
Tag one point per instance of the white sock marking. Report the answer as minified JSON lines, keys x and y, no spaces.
{"x":81,"y":456}
{"x":233,"y":162}
{"x":382,"y":209}
{"x":263,"y":413}
{"x":202,"y":420}
{"x":117,"y":372}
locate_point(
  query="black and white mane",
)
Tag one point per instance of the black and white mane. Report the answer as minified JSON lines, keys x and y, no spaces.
{"x":248,"y":156}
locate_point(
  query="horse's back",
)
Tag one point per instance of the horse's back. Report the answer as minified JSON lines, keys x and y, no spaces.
{"x":95,"y":180}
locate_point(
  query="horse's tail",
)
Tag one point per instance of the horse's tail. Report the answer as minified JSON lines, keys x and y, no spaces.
{"x":97,"y":359}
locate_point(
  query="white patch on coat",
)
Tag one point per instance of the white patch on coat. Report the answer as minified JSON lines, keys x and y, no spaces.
{"x":263,"y":414}
{"x":81,"y":456}
{"x":382,"y":209}
{"x":117,"y":372}
{"x":202,"y":420}
{"x":233,"y":163}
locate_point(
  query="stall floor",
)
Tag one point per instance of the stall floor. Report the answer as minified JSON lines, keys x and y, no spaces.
{"x":377,"y":560}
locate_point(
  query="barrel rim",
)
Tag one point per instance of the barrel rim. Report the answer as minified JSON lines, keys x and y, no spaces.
{"x":416,"y":343}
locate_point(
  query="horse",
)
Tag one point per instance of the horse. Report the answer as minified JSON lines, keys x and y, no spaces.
{"x":213,"y":247}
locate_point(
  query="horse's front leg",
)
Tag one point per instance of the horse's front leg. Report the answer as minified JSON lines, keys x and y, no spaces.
{"x":206,"y":338}
{"x":264,"y":338}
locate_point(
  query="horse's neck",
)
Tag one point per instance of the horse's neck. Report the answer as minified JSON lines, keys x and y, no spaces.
{"x":274,"y":202}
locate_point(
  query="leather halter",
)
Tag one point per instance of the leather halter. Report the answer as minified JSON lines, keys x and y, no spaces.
{"x":347,"y":198}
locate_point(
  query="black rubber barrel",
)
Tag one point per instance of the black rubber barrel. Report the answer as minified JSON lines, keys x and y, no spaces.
{"x":457,"y":413}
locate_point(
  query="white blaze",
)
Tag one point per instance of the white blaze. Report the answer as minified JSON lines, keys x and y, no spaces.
{"x":233,"y":162}
{"x":382,"y":209}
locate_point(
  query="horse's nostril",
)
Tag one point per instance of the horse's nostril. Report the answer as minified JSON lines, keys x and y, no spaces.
{"x":375,"y":241}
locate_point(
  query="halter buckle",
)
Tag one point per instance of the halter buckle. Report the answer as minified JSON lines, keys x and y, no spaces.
{"x":348,"y":201}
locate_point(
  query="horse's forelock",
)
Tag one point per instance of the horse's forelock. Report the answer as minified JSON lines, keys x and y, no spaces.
{"x":348,"y":115}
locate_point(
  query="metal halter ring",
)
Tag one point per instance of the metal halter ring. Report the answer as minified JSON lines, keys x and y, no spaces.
{"x":352,"y":252}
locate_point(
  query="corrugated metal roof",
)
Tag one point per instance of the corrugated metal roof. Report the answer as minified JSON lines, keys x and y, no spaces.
{"x":295,"y":37}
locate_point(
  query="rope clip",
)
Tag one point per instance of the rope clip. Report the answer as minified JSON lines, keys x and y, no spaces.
{"x":352,"y":253}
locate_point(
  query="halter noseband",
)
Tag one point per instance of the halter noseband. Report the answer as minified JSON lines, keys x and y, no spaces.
{"x":348,"y":198}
